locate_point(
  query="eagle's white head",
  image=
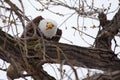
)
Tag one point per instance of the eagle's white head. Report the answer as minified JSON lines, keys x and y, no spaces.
{"x":48,"y":27}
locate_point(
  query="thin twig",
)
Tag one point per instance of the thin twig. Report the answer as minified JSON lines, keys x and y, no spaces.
{"x":84,"y":33}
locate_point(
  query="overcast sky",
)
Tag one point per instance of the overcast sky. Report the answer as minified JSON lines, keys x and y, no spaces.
{"x":69,"y":35}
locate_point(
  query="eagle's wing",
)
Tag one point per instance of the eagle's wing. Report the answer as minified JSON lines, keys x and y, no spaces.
{"x":58,"y":35}
{"x":31,"y":27}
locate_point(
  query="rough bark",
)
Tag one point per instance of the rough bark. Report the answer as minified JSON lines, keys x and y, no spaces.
{"x":78,"y":56}
{"x":12,"y":49}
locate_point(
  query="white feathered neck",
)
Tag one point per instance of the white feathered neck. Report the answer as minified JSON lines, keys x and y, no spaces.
{"x":48,"y":33}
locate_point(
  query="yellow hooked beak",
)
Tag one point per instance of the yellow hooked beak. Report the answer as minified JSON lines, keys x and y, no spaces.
{"x":49,"y":26}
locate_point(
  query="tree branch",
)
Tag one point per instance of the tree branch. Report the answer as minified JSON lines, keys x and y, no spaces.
{"x":115,"y":75}
{"x":58,"y":52}
{"x":108,"y":31}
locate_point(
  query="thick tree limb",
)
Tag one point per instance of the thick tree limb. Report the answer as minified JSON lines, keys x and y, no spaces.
{"x":57,"y":52}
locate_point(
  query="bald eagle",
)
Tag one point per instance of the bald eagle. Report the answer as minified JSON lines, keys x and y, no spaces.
{"x":47,"y":28}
